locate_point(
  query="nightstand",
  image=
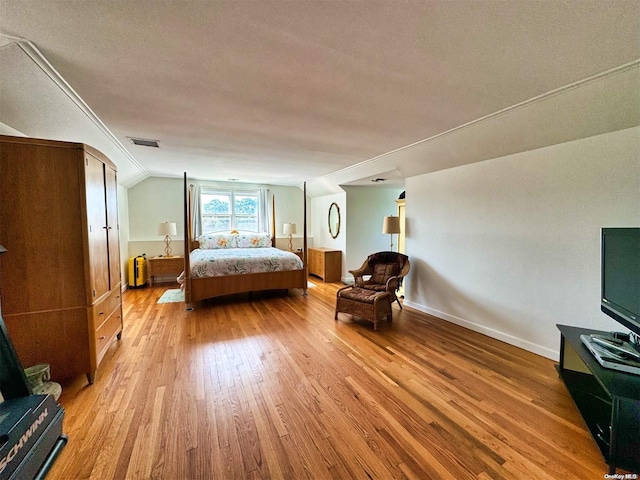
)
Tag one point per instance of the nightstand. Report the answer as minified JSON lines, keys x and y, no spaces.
{"x":165,"y":266}
{"x":297,"y":252}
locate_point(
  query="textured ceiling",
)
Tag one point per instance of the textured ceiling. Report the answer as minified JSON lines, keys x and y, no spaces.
{"x":283,"y":92}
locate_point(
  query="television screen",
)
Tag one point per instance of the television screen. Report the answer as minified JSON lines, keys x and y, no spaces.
{"x":620,"y":259}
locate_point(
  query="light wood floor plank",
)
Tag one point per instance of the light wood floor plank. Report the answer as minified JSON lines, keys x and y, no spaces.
{"x":270,"y":386}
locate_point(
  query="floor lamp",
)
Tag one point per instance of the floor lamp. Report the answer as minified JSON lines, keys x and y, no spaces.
{"x":391,"y":225}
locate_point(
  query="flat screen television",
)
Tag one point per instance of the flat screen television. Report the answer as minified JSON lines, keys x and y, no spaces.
{"x":620,"y":263}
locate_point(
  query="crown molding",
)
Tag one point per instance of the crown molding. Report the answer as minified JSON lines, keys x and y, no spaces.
{"x":331,"y":182}
{"x":39,"y":59}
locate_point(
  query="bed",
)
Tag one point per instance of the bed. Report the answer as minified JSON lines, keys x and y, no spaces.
{"x":227,"y":263}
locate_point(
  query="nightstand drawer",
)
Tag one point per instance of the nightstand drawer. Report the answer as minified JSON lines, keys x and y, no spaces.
{"x":168,"y":265}
{"x":165,"y":266}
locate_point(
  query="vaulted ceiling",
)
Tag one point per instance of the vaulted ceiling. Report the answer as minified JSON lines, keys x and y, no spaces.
{"x":330,"y":93}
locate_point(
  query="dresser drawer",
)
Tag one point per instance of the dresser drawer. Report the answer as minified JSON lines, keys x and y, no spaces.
{"x":106,"y":332}
{"x":325,"y":263}
{"x":314,"y":263}
{"x":101,"y":310}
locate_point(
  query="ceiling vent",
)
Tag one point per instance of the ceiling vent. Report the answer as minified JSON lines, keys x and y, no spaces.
{"x":144,"y":142}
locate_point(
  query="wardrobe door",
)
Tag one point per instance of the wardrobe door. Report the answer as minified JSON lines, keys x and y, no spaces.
{"x":97,"y":228}
{"x":113,"y":228}
{"x":40,"y":226}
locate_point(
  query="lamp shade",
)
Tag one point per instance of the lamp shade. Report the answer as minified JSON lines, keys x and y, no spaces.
{"x":289,"y":228}
{"x":2,"y":250}
{"x":391,"y":225}
{"x":167,"y":228}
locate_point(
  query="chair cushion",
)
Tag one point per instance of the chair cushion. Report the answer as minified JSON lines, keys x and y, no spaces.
{"x":376,"y":287}
{"x":383,"y":271}
{"x":360,"y":294}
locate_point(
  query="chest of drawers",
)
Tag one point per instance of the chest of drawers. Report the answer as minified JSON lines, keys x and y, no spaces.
{"x":326,"y":264}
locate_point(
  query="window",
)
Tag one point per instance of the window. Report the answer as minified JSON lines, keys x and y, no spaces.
{"x":225,"y":210}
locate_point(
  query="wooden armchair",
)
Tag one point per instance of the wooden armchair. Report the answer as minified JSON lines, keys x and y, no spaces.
{"x":371,"y":298}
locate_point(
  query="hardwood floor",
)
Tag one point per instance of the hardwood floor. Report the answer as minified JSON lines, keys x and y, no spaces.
{"x":272,"y":387}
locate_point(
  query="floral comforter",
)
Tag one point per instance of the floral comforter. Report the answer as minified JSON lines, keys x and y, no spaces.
{"x":236,"y":261}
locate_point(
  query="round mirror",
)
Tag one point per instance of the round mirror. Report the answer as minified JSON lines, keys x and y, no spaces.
{"x":334,"y":220}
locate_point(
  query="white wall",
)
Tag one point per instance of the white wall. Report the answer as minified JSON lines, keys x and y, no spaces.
{"x":123,"y":221}
{"x":289,"y":208}
{"x":159,"y":199}
{"x":320,"y":224}
{"x":153,"y":201}
{"x":367,"y":207}
{"x":511,"y":246}
{"x":361,"y":212}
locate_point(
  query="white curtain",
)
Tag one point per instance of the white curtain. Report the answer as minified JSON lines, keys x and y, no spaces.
{"x":263,"y":216}
{"x":194,"y":200}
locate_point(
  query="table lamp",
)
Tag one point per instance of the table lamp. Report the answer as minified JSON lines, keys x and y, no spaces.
{"x":289,"y":229}
{"x":167,"y":229}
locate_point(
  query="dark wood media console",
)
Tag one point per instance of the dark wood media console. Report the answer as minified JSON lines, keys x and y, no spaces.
{"x":608,"y":400}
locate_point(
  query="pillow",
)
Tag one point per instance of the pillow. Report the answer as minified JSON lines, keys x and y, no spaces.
{"x":383,"y":271}
{"x":211,"y":241}
{"x":253,"y":240}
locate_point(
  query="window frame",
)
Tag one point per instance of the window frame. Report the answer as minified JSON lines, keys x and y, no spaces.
{"x":232,"y":193}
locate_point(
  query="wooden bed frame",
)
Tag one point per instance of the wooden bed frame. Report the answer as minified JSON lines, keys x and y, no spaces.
{"x":200,"y":288}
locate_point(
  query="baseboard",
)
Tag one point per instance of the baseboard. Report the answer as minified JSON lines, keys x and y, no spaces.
{"x":490,"y":332}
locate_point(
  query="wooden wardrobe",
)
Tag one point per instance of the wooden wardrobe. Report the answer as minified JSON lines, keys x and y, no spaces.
{"x":60,"y":287}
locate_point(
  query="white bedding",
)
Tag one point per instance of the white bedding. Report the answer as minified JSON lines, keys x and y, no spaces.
{"x":236,"y":261}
